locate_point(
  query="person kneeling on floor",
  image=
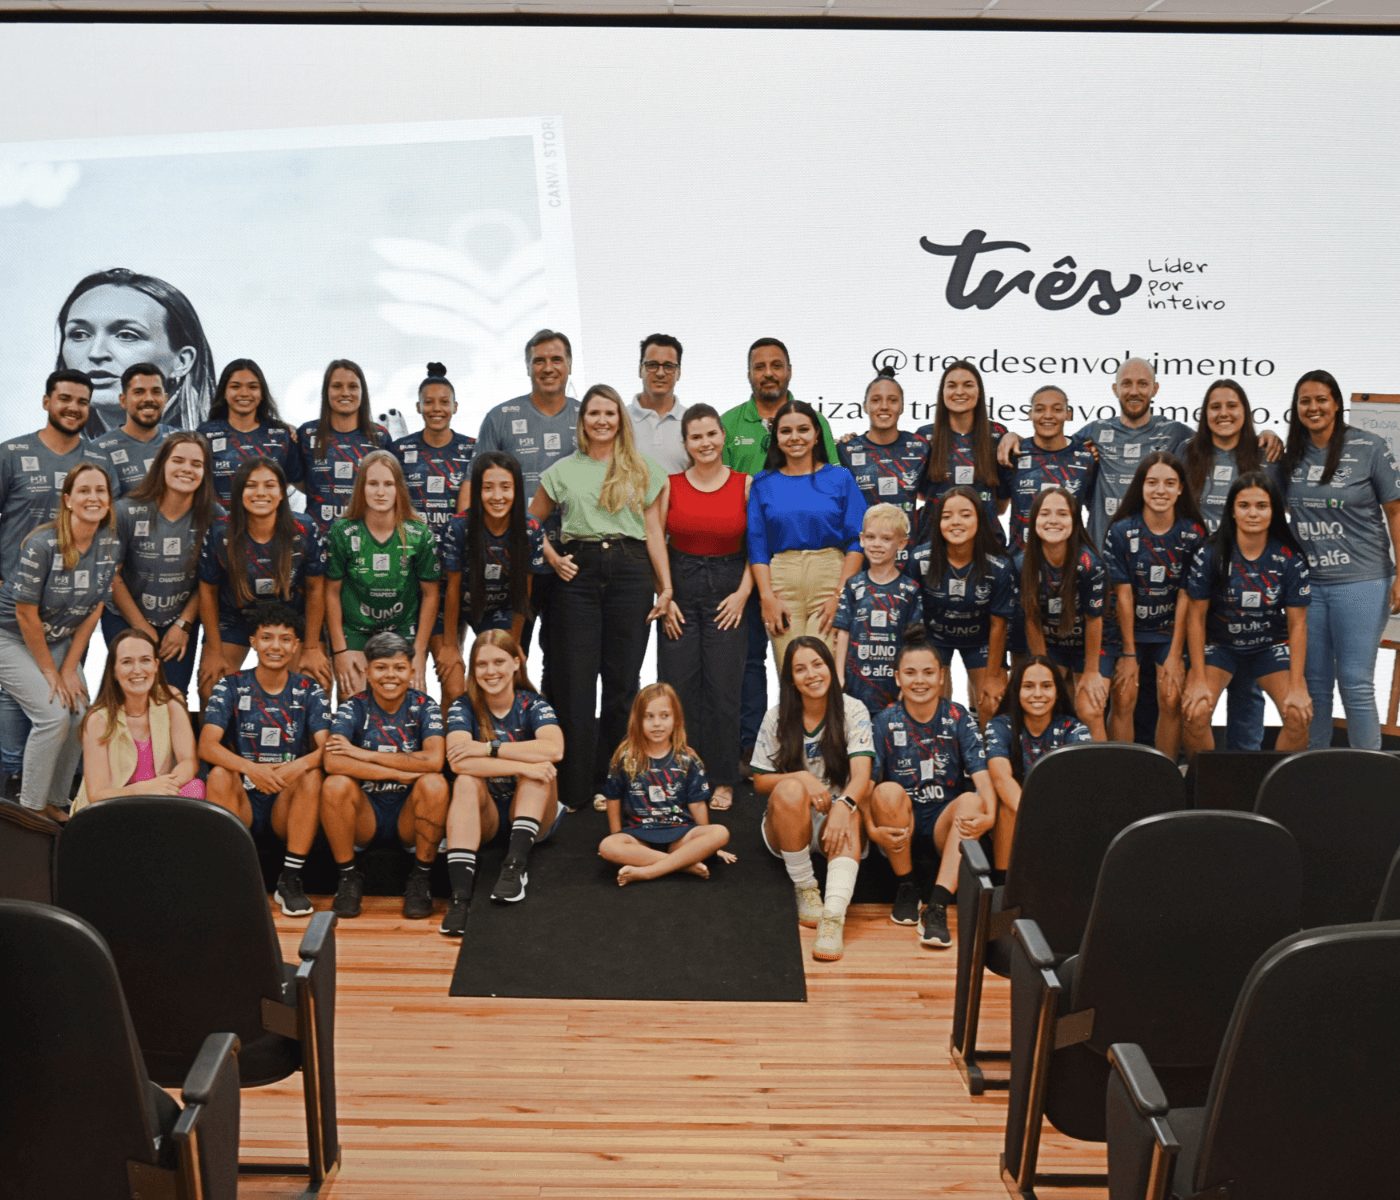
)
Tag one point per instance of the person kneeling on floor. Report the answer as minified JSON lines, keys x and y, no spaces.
{"x":933,"y":784}
{"x":813,"y":760}
{"x":658,"y":796}
{"x":263,"y":735}
{"x":384,"y":779}
{"x":503,"y":740}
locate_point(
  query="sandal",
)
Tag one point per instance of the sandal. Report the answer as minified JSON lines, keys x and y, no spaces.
{"x":723,"y":803}
{"x":600,"y":802}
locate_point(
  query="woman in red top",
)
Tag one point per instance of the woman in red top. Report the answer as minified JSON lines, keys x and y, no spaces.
{"x":702,"y":652}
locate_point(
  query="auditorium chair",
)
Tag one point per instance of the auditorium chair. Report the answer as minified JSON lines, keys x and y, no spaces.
{"x":1229,"y":778}
{"x":79,"y":1116}
{"x":1388,"y":907}
{"x":1186,"y":903}
{"x":1305,"y":1096}
{"x":27,"y":841}
{"x":1343,"y":809}
{"x":1075,"y":800}
{"x":173,"y":885}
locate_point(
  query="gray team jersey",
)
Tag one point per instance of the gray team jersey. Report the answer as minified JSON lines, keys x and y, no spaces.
{"x":1220,"y":474}
{"x":1340,"y":523}
{"x":1120,"y":451}
{"x":517,"y":427}
{"x":158,"y":558}
{"x":65,"y":598}
{"x":130,"y":457}
{"x":31,"y":477}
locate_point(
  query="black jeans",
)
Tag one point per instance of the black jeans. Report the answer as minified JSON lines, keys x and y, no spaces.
{"x":597,"y":627}
{"x":706,"y":663}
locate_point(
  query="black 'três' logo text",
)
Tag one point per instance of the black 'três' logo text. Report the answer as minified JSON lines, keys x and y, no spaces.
{"x":1059,"y":288}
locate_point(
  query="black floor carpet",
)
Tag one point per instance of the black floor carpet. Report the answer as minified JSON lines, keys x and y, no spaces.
{"x":577,"y":935}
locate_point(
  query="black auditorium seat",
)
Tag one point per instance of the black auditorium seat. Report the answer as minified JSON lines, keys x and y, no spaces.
{"x":1305,"y":1097}
{"x":1075,"y":801}
{"x":1343,"y":809}
{"x":1388,"y":907}
{"x":1229,"y":778}
{"x":27,"y":841}
{"x":79,"y":1116}
{"x":173,"y":885}
{"x":1186,"y":903}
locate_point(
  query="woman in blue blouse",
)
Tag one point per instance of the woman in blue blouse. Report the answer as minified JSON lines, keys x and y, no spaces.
{"x":804,"y":530}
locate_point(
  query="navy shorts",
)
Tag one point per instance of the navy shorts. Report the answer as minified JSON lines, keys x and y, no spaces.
{"x":387,"y":806}
{"x":1072,"y":658}
{"x":1251,"y":665}
{"x":664,"y":836}
{"x":974,"y":657}
{"x":1146,"y":652}
{"x":926,"y":815}
{"x":503,"y":798}
{"x":262,"y":804}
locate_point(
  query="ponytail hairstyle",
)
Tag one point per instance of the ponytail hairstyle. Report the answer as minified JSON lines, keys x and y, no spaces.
{"x":517,"y":537}
{"x":836,"y":763}
{"x":285,"y":532}
{"x":205,"y":502}
{"x":502,"y":639}
{"x":984,"y":452}
{"x":1033,"y":564}
{"x":625,"y":484}
{"x":1133,"y":503}
{"x":885,"y":375}
{"x":631,"y":755}
{"x":1011,"y":706}
{"x":1298,"y":437}
{"x":1223,"y":541}
{"x":984,"y":545}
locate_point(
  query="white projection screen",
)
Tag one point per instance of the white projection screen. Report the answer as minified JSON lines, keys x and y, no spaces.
{"x":1042,"y":202}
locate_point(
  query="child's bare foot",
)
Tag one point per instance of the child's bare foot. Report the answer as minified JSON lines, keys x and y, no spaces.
{"x":699,"y":869}
{"x":626,"y":875}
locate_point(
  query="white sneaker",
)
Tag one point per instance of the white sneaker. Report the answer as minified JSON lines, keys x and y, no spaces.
{"x":830,"y":944}
{"x":809,"y":905}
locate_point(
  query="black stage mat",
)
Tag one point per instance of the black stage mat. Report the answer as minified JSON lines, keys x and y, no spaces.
{"x":577,"y":935}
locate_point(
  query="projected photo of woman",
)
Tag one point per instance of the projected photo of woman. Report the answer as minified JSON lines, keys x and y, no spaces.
{"x":117,"y":317}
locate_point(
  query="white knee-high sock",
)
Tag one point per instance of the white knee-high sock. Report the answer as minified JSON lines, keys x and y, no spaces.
{"x":840,"y":885}
{"x":799,"y":867}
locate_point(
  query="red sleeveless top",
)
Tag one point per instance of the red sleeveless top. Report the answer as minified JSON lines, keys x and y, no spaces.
{"x":707,"y":523}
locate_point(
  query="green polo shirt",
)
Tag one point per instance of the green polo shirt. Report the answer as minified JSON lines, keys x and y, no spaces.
{"x":746,"y":438}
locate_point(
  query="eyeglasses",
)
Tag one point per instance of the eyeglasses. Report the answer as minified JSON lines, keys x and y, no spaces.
{"x":664,"y":368}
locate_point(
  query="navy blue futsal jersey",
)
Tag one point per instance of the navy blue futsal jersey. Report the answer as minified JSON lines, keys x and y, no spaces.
{"x":1090,"y":591}
{"x":1248,"y":607}
{"x":1073,"y":468}
{"x":1061,"y":731}
{"x":230,"y":448}
{"x":962,"y":470}
{"x":529,"y":713}
{"x":1155,"y":567}
{"x":434,"y":475}
{"x":268,"y":727}
{"x":330,"y":479}
{"x":876,"y":616}
{"x":887,"y":474}
{"x":660,"y":796}
{"x":933,"y":762}
{"x":496,"y":610}
{"x":958,"y":609}
{"x":366,"y":725}
{"x":260,"y":565}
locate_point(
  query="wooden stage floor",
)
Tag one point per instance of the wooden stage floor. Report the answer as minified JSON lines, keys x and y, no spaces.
{"x":848,"y":1097}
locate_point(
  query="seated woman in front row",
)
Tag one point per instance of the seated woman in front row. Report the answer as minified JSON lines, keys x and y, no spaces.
{"x":1036,"y":716}
{"x":932,"y":785}
{"x":812,"y":760}
{"x":136,"y":730}
{"x":1248,"y":592}
{"x":503,"y":741}
{"x":658,"y":796}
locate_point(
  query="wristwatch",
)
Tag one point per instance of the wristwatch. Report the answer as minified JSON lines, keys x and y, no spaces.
{"x":495,"y":747}
{"x":181,"y":623}
{"x":847,"y":801}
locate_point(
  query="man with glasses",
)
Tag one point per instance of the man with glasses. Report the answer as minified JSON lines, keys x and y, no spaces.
{"x":655,"y":412}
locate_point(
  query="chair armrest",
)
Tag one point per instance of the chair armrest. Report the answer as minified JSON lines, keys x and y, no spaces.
{"x":1033,"y":944}
{"x":206,"y":1133}
{"x":320,"y":934}
{"x":17,"y":814}
{"x":315,"y":1004}
{"x":1139,"y":1079}
{"x":974,"y":857}
{"x":974,"y":907}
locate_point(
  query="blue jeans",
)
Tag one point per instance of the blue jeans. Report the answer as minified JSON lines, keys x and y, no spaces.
{"x":1345,"y":623}
{"x":753,"y":701}
{"x":14,"y":732}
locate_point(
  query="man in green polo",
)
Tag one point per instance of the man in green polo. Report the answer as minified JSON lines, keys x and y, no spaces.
{"x":746,"y":429}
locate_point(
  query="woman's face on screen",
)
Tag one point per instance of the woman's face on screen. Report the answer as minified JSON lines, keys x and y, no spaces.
{"x":108,"y":329}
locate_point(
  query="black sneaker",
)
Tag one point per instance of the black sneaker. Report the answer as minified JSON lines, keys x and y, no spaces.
{"x":417,"y":898}
{"x":935,"y":931}
{"x":454,"y":921}
{"x":906,"y":904}
{"x":349,"y":893}
{"x":292,"y":896}
{"x":510,"y":883}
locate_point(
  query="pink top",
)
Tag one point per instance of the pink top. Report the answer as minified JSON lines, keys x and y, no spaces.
{"x":146,"y":769}
{"x":707,"y":523}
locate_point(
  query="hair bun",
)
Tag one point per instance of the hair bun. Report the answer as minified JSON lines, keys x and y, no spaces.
{"x":886,"y":372}
{"x":437,"y":371}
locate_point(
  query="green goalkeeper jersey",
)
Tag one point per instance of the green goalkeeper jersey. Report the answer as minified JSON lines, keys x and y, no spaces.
{"x":379,"y":581}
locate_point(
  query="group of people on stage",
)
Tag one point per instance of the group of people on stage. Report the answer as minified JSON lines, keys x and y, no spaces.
{"x":1145,"y":569}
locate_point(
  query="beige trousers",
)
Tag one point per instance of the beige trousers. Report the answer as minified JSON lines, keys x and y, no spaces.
{"x":805,"y":580}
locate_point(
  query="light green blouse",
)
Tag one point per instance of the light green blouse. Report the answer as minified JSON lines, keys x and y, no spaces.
{"x":574,"y":484}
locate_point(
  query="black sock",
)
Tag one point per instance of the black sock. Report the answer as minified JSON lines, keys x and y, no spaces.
{"x":346,"y":867}
{"x":941,"y":895}
{"x":907,"y":877}
{"x":523,"y":832}
{"x":293,"y":863}
{"x":420,"y":865}
{"x":461,"y":872}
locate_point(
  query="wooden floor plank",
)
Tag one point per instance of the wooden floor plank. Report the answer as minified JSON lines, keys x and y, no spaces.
{"x":847,"y":1097}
